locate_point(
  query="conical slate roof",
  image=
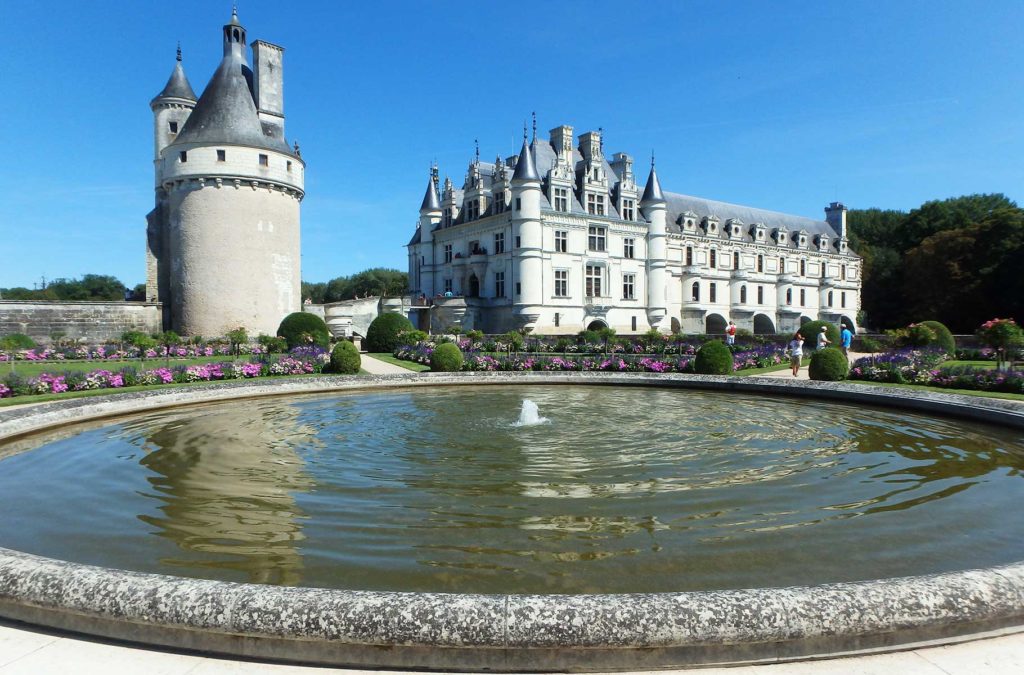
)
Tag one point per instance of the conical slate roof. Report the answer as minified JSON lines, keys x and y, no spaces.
{"x":177,"y":86}
{"x":526,"y":168}
{"x":226,"y":112}
{"x":430,"y":202}
{"x":652,"y":192}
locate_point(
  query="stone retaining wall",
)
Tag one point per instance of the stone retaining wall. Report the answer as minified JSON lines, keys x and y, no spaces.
{"x":91,"y":322}
{"x":510,"y":632}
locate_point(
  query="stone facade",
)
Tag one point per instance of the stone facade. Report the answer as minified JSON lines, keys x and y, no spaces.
{"x":90,"y":322}
{"x":223,"y":245}
{"x":559,"y":239}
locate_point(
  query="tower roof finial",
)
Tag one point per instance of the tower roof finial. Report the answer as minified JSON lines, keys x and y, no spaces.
{"x":652,"y":158}
{"x":534,"y":126}
{"x":179,"y":51}
{"x":476,"y":143}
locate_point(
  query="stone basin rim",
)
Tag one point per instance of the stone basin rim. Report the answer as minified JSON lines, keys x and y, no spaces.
{"x":387,"y":629}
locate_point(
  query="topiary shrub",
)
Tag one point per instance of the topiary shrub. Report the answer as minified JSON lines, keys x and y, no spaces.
{"x":943,"y":337}
{"x":514,"y":341}
{"x":828,"y":364}
{"x":15,"y":341}
{"x":811,"y":329}
{"x":300,"y":329}
{"x":345,"y":358}
{"x":446,"y":358}
{"x":382,"y":335}
{"x":713,"y":358}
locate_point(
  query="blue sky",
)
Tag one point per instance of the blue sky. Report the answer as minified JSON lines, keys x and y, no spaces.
{"x":784,"y":106}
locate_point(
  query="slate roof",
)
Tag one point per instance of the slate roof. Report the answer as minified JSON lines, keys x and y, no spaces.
{"x":177,"y":85}
{"x":226,"y":112}
{"x":678,"y":205}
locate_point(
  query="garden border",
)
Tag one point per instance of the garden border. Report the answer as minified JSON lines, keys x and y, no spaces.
{"x":509,"y":632}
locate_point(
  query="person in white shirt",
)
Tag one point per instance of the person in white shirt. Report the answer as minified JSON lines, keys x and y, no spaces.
{"x":823,"y":340}
{"x":796,"y":352}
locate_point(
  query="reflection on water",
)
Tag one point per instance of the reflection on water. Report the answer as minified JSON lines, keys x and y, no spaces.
{"x":623,"y":490}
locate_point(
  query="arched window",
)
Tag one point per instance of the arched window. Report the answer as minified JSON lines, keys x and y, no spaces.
{"x":760,"y":263}
{"x":713,"y":260}
{"x":695,"y":291}
{"x":735,"y":260}
{"x":789,"y":296}
{"x":743,"y":295}
{"x":830,"y":298}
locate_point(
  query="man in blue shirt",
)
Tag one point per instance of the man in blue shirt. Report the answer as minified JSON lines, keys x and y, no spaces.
{"x":845,"y":338}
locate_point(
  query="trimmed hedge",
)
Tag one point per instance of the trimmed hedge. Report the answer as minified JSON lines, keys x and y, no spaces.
{"x":345,"y":358}
{"x":829,"y":365}
{"x":382,"y":335}
{"x":713,"y":358}
{"x":446,"y":358}
{"x":943,"y":337}
{"x":811,"y":329}
{"x":17,"y":341}
{"x":297,"y":327}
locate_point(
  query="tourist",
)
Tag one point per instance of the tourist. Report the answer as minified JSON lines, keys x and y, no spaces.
{"x":823,"y":340}
{"x":730,"y":334}
{"x":796,"y":352}
{"x":845,"y":339}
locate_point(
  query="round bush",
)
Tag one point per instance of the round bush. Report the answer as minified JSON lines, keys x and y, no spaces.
{"x":300,"y":328}
{"x":382,"y":336}
{"x":713,"y":358}
{"x":446,"y":358}
{"x":17,"y":341}
{"x":345,"y":358}
{"x":943,"y":337}
{"x":828,"y":364}
{"x":811,"y":329}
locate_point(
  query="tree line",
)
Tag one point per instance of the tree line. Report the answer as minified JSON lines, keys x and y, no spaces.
{"x":90,"y":287}
{"x":959,"y":261}
{"x":376,"y":281}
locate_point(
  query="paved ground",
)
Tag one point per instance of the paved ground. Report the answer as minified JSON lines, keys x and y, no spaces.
{"x":26,"y":651}
{"x":378,"y":367}
{"x":802,"y":375}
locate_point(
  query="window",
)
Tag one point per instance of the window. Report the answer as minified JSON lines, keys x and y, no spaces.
{"x":222,"y":156}
{"x":735,"y":260}
{"x":712,"y":292}
{"x":594,"y":280}
{"x":447,"y":285}
{"x":474,"y":248}
{"x":628,"y":286}
{"x":595,"y":204}
{"x":743,"y":295}
{"x":628,"y":209}
{"x":499,"y":202}
{"x":803,"y":297}
{"x":803,"y":268}
{"x":561,"y":283}
{"x":264,"y":160}
{"x":782,"y":265}
{"x":288,"y":165}
{"x":561,"y":199}
{"x":447,"y":253}
{"x":689,"y":255}
{"x":519,"y":288}
{"x":596,"y":238}
{"x":558,"y":318}
{"x":633,"y":323}
{"x":830,"y":298}
{"x":789,"y":296}
{"x":519,"y":242}
{"x":172,"y":127}
{"x":519,"y":204}
{"x":182,"y":156}
{"x":446,"y":218}
{"x":760,"y":295}
{"x":627,"y":247}
{"x":695,"y":291}
{"x":561,"y":241}
{"x":499,"y":284}
{"x":713,"y":259}
{"x":472,"y":209}
{"x":760,"y":263}
{"x":499,"y":242}
{"x":843,"y":271}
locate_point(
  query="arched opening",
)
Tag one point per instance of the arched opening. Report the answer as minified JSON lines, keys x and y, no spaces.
{"x":805,"y":319}
{"x":743,"y":295}
{"x":848,"y":322}
{"x":714,"y":324}
{"x":676,"y":326}
{"x":596,"y":324}
{"x":763,"y":325}
{"x":474,"y":287}
{"x":695,"y":291}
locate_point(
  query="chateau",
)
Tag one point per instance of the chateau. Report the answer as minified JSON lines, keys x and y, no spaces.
{"x":558,"y":239}
{"x":222,"y":245}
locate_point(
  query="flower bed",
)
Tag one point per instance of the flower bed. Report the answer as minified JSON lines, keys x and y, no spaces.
{"x":477,"y":358}
{"x":300,"y":361}
{"x":921,"y":367}
{"x":117,"y":353}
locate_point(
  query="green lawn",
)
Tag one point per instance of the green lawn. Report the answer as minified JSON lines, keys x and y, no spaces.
{"x":980,"y":365}
{"x":390,"y":358}
{"x":34,"y":369}
{"x":943,"y":390}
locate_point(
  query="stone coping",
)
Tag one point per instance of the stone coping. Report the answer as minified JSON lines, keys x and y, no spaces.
{"x":509,"y":632}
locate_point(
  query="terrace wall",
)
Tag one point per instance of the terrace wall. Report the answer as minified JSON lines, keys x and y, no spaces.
{"x":92,"y":322}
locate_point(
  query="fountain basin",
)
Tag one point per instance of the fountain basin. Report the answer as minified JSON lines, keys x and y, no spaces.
{"x":510,"y":632}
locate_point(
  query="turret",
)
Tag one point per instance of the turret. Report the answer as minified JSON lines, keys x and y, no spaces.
{"x":653,"y":207}
{"x":171,"y":108}
{"x":430,"y":217}
{"x":526,"y":229}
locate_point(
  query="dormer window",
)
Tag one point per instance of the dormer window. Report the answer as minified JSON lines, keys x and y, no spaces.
{"x":446,"y":218}
{"x":595,"y":204}
{"x":499,"y":201}
{"x":628,"y":209}
{"x":562,"y":199}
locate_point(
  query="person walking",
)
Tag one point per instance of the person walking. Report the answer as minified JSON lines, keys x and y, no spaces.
{"x":823,"y":340}
{"x":846,"y":339}
{"x":796,"y":352}
{"x":730,"y":334}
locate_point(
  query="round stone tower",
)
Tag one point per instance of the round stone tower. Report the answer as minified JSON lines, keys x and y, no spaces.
{"x":226,"y":224}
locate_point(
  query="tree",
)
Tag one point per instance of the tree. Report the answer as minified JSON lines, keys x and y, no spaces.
{"x":378,"y":281}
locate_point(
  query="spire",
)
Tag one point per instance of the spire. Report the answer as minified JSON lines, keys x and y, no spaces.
{"x":177,"y":85}
{"x":652,"y":192}
{"x":534,"y":126}
{"x":430,"y":201}
{"x":526,"y":168}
